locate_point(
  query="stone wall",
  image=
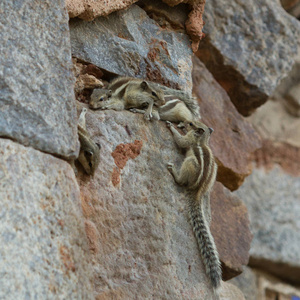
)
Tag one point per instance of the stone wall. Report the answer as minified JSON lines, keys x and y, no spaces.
{"x":124,"y":232}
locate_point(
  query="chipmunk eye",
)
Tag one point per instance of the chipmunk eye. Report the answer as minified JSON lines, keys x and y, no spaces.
{"x":191,"y":124}
{"x":90,"y":164}
{"x":88,"y":153}
{"x":154,"y":94}
{"x":101,"y":99}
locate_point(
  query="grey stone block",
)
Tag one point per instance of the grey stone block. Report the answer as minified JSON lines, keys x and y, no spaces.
{"x":37,"y":105}
{"x":129,"y":43}
{"x":43,"y":253}
{"x":273,"y":203}
{"x":250,"y":47}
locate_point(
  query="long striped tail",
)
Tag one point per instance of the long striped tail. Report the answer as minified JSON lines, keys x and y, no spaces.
{"x":206,"y":243}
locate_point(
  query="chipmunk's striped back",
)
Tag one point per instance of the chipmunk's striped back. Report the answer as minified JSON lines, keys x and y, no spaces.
{"x":198,"y":173}
{"x":198,"y":216}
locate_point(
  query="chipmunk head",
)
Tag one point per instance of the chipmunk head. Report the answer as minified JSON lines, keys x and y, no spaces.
{"x":200,"y":131}
{"x":155,"y":93}
{"x":99,"y":98}
{"x":89,"y":157}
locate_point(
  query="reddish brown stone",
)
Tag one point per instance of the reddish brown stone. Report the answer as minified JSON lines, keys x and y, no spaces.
{"x":230,"y":228}
{"x":115,"y":176}
{"x":91,"y":9}
{"x":92,"y":235}
{"x":234,"y":138}
{"x":86,"y":79}
{"x":125,"y":151}
{"x":90,"y":81}
{"x":93,"y":70}
{"x":194,"y":23}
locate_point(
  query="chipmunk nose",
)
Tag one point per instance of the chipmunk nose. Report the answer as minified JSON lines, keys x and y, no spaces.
{"x":210,"y":130}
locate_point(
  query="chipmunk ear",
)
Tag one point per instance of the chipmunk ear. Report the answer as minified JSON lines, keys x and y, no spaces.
{"x":109,"y":93}
{"x":144,"y":85}
{"x":99,"y":146}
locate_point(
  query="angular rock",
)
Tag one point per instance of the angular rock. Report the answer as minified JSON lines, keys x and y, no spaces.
{"x":274,"y":123}
{"x":254,"y":284}
{"x":229,"y":291}
{"x":173,"y":18}
{"x":234,"y":139}
{"x":251,"y":53}
{"x":87,"y":78}
{"x":138,"y":224}
{"x":231,"y":230}
{"x":43,"y":253}
{"x":91,"y":9}
{"x":130,"y":43}
{"x":75,"y":7}
{"x":193,"y":12}
{"x":247,"y":282}
{"x":37,"y":105}
{"x":282,"y":154}
{"x":273,"y":203}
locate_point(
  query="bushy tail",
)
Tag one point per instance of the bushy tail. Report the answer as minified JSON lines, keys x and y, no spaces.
{"x":205,"y":242}
{"x":190,"y":101}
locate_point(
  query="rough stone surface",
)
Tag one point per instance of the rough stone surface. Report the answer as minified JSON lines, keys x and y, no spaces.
{"x":251,"y":53}
{"x":194,"y":23}
{"x":231,"y":230}
{"x":37,"y":105}
{"x":257,"y":285}
{"x":234,"y":138}
{"x":247,"y":282}
{"x":43,"y":253}
{"x":136,"y":217}
{"x":274,"y":123}
{"x":91,"y":9}
{"x":273,"y":203}
{"x":129,"y":43}
{"x":75,"y":7}
{"x":172,"y":18}
{"x":230,"y":292}
{"x":283,"y":154}
{"x":88,"y":77}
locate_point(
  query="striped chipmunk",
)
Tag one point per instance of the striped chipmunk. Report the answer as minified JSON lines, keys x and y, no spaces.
{"x":126,"y":93}
{"x":198,"y":173}
{"x":175,"y":109}
{"x":89,"y":154}
{"x":178,"y":105}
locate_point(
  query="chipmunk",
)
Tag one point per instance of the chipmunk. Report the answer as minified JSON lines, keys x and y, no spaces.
{"x":178,"y":107}
{"x":175,"y":110}
{"x":89,"y":154}
{"x":190,"y":102}
{"x":198,"y":173}
{"x":128,"y":93}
